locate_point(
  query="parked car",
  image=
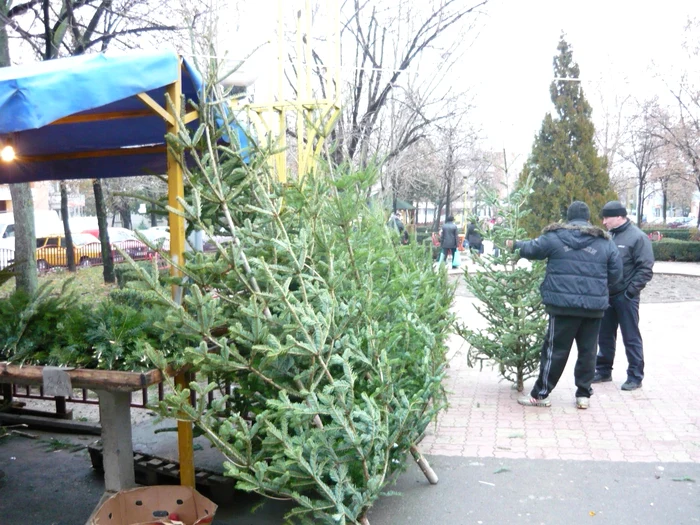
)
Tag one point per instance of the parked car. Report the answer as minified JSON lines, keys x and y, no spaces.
{"x":157,"y":235}
{"x":127,"y":241}
{"x":51,"y":250}
{"x":680,"y":222}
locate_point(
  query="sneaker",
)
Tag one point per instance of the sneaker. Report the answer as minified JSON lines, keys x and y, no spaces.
{"x":600,"y":378}
{"x":630,"y":385}
{"x":529,"y":401}
{"x":582,"y":402}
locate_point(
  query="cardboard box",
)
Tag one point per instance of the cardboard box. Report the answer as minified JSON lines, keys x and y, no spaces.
{"x":155,"y":506}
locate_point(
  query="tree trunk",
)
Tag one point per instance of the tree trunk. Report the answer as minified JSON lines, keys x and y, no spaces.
{"x":22,"y":203}
{"x":640,"y":204}
{"x":70,"y":252}
{"x":101,"y":211}
{"x":447,"y":195}
{"x":152,"y":205}
{"x":25,"y":240}
{"x":125,"y":216}
{"x":664,"y":195}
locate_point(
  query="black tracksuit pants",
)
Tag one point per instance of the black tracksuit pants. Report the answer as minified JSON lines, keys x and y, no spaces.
{"x":562,"y":331}
{"x":624,"y":313}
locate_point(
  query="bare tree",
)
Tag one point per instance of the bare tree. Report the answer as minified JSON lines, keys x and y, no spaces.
{"x":641,"y":150}
{"x":388,"y":38}
{"x":21,"y":193}
{"x":684,"y":133}
{"x":53,"y":28}
{"x":609,"y":137}
{"x":671,"y":178}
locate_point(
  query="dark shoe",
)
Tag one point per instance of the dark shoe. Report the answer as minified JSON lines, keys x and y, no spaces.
{"x":630,"y":385}
{"x":599,"y":378}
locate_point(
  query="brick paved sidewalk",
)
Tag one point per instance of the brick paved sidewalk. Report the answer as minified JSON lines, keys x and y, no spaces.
{"x":660,"y":422}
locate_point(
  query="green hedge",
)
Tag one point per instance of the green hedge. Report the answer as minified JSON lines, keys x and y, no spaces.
{"x":682,"y":234}
{"x":675,"y":250}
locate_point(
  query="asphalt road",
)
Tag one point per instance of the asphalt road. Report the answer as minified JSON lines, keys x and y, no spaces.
{"x":40,"y":486}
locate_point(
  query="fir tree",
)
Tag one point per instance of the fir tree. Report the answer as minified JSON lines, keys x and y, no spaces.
{"x":564,"y":162}
{"x":332,"y":331}
{"x":509,"y":298}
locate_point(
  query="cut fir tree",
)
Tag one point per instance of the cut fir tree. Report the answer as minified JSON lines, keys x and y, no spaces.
{"x":508,"y":299}
{"x":332,"y":331}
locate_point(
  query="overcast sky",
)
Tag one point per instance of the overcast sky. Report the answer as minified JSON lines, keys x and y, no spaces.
{"x":622,"y":47}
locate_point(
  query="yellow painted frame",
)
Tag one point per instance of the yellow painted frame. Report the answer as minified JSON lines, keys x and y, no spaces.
{"x":315,"y":118}
{"x":172,"y":116}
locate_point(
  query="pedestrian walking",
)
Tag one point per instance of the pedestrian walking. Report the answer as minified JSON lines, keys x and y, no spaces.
{"x":475,"y":239}
{"x":395,"y":223}
{"x":637,"y":270}
{"x":448,"y":241}
{"x":582,"y":263}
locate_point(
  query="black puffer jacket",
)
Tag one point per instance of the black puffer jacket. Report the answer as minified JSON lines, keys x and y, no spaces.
{"x":637,"y":259}
{"x":582,"y":265}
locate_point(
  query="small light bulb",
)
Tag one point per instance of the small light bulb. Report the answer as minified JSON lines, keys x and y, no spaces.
{"x":7,"y":154}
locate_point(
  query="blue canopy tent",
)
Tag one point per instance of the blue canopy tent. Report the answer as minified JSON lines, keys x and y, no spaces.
{"x":91,"y":116}
{"x":97,"y":116}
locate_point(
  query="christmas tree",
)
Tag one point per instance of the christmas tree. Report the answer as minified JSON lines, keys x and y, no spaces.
{"x":508,"y":298}
{"x":564,"y":163}
{"x":333,"y":332}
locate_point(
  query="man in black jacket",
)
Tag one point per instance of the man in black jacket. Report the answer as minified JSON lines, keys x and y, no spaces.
{"x":637,"y":263}
{"x":582,"y":264}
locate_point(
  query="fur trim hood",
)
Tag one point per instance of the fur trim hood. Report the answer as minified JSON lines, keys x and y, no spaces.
{"x":585,"y":228}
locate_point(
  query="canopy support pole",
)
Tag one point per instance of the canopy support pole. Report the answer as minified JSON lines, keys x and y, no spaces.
{"x":177,"y":249}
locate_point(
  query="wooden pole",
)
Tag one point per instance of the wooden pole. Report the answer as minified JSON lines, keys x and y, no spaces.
{"x":282,"y":115}
{"x":177,"y":250}
{"x":424,"y":466}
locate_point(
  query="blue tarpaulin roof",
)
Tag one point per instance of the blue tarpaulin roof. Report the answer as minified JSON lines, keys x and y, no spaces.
{"x":125,"y":140}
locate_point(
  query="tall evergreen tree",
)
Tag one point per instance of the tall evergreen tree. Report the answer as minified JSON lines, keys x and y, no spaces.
{"x":564,"y":163}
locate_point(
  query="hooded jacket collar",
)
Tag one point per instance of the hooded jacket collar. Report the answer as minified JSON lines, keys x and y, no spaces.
{"x":622,"y":227}
{"x":578,"y":225}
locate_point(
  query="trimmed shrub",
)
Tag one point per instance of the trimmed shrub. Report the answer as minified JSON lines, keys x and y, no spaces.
{"x":675,"y":250}
{"x":682,"y":234}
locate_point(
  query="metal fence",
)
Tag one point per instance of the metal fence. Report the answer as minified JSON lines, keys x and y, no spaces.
{"x":90,"y":254}
{"x":148,"y":397}
{"x":7,"y":256}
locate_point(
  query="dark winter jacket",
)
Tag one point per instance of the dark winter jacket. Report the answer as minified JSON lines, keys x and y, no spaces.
{"x":396,"y":224}
{"x":474,"y":238}
{"x":582,"y":265}
{"x":449,"y":236}
{"x":637,"y":259}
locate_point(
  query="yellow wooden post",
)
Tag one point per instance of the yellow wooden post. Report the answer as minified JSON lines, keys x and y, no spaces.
{"x":177,"y":249}
{"x":282,"y":116}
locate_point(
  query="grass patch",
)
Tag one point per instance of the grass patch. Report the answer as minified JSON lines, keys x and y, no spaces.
{"x":88,"y":281}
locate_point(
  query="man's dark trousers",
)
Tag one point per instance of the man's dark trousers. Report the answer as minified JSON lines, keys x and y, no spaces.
{"x":623,"y":312}
{"x":561,"y":333}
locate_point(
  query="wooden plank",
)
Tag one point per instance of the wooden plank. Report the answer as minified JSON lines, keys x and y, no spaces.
{"x":190,"y":116}
{"x":117,"y":152}
{"x":109,"y":115}
{"x":156,"y":108}
{"x":109,"y":380}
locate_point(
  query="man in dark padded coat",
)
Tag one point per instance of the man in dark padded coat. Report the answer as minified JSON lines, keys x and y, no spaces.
{"x":638,"y":269}
{"x":582,"y":264}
